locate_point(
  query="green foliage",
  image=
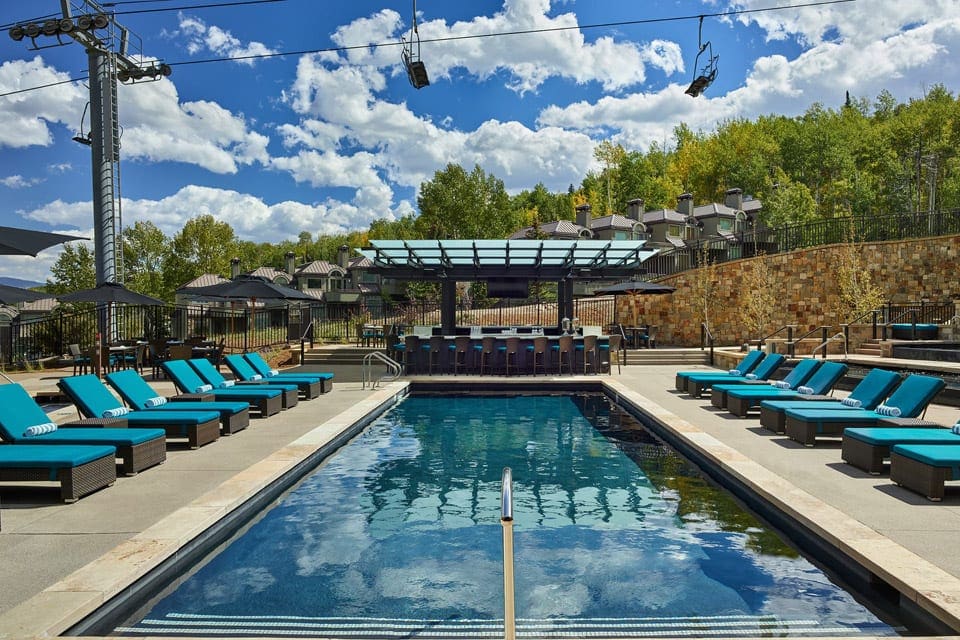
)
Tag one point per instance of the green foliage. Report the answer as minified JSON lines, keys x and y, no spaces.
{"x":457,"y":204}
{"x":145,"y":250}
{"x":74,"y":270}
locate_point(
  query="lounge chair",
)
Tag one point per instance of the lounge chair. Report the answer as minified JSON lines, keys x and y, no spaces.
{"x":137,"y":449}
{"x":244,"y":371}
{"x":138,"y":394}
{"x":924,"y":468}
{"x":795,"y":378}
{"x":187,"y":380}
{"x":213,"y":378}
{"x":746,"y":365}
{"x":697,"y":384}
{"x":908,"y":401}
{"x":868,"y":393}
{"x":80,"y":469}
{"x":868,"y":447}
{"x":94,"y":400}
{"x":262,"y":367}
{"x":740,"y":401}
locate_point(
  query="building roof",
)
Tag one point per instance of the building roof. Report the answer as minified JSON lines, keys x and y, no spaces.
{"x":318,"y":268}
{"x":271,"y":274}
{"x":554,"y":229}
{"x":714,"y":209}
{"x":514,"y":259}
{"x":615,"y":221}
{"x":662,"y":215}
{"x":204,"y":280}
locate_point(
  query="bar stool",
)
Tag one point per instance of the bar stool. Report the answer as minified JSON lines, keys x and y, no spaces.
{"x":589,"y":347}
{"x":563,"y":347}
{"x":511,"y":353}
{"x":433,"y":348}
{"x":488,"y":350}
{"x":411,"y":347}
{"x":612,"y":351}
{"x":538,"y":352}
{"x":460,"y":349}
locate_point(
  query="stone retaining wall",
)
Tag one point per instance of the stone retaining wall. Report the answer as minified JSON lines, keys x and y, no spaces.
{"x":907,"y":270}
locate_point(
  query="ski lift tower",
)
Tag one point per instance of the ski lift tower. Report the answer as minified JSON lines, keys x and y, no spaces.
{"x":109,"y":59}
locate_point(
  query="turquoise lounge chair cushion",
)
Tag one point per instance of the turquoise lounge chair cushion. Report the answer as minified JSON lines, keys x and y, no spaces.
{"x":136,"y":392}
{"x":114,"y":437}
{"x":262,"y":367}
{"x":935,"y":455}
{"x":870,"y":391}
{"x":93,"y":399}
{"x":888,"y":436}
{"x":210,"y":374}
{"x":27,"y":456}
{"x":823,"y":383}
{"x":186,"y":378}
{"x":764,"y":370}
{"x":911,"y":397}
{"x":747,"y":364}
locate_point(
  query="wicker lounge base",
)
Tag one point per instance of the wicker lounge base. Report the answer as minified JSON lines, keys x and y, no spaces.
{"x":718,"y":398}
{"x":775,"y":420}
{"x":925,"y":479}
{"x":288,"y":398}
{"x":680,"y":382}
{"x":230,"y":423}
{"x":267,"y":406}
{"x":807,"y":433}
{"x":138,"y":457}
{"x":740,"y":406}
{"x":865,"y":455}
{"x":197,"y":434}
{"x":75,"y":482}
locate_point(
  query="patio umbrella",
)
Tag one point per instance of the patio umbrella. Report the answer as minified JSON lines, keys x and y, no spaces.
{"x":16,"y":295}
{"x":27,"y":242}
{"x":246,"y":287}
{"x":109,"y":292}
{"x":634,"y":288}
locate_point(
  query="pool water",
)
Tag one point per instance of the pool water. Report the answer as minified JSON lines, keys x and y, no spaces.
{"x":398,"y":534}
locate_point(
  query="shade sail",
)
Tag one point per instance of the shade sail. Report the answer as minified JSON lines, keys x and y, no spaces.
{"x":16,"y":295}
{"x":634,"y":287}
{"x":531,"y":259}
{"x":109,"y":292}
{"x":27,"y":242}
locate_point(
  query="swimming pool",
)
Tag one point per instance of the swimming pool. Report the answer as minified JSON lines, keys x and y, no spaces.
{"x":398,"y":534}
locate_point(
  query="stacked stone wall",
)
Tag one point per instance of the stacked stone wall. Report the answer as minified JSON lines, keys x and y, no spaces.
{"x":806,"y":290}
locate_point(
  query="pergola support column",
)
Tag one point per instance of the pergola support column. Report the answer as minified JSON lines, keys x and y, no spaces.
{"x":448,"y":307}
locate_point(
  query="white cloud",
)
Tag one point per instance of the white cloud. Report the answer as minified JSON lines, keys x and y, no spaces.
{"x":158,"y":127}
{"x":19,"y":182}
{"x":201,"y":37}
{"x":25,"y":118}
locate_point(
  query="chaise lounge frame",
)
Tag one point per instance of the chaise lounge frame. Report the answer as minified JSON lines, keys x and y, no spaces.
{"x":75,"y":482}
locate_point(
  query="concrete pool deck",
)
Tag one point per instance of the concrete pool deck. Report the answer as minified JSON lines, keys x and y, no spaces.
{"x":61,"y":561}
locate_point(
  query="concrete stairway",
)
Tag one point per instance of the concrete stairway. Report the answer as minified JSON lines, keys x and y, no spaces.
{"x":667,"y":356}
{"x":870,"y":348}
{"x":338,"y":354}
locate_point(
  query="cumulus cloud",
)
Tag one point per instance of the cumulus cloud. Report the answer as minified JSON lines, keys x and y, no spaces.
{"x":19,"y":182}
{"x":202,"y":37}
{"x":25,"y":118}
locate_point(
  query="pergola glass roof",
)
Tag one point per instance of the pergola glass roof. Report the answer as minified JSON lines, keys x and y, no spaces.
{"x":531,"y":259}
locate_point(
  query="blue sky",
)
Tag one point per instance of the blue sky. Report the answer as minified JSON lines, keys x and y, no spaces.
{"x":327,"y":142}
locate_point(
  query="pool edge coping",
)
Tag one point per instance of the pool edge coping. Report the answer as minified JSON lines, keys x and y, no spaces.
{"x":68,"y":601}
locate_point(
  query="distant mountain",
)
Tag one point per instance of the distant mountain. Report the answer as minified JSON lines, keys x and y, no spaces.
{"x":19,"y":282}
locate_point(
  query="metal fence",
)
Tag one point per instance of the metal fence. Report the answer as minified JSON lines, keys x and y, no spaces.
{"x":877,"y":228}
{"x":244,"y":329}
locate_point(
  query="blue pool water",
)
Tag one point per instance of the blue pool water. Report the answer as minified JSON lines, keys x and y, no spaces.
{"x":398,"y":534}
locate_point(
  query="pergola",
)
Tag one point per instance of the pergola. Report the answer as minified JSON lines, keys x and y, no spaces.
{"x":452,"y":261}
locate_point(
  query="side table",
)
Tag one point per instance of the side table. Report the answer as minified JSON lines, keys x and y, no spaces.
{"x":192,"y":397}
{"x":906,"y":422}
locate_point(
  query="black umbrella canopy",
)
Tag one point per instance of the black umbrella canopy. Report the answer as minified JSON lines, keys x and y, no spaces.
{"x":16,"y":295}
{"x":109,"y":292}
{"x":27,"y":242}
{"x":246,"y":287}
{"x":635,"y":287}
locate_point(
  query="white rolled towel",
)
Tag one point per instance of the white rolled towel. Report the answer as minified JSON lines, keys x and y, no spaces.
{"x":884,"y":410}
{"x":119,"y":412}
{"x":158,"y":401}
{"x":851,"y":402}
{"x":807,"y":391}
{"x":39,"y":429}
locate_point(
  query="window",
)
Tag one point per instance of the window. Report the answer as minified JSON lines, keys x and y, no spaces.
{"x":724,"y":224}
{"x":675,"y":230}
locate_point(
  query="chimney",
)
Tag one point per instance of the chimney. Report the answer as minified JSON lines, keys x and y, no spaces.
{"x":685,"y":204}
{"x":234,"y":268}
{"x":583,"y":215}
{"x":289,"y":260}
{"x":343,"y":256}
{"x":733,"y":198}
{"x":635,"y":209}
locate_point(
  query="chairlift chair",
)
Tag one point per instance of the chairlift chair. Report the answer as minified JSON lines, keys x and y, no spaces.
{"x":416,"y":70}
{"x":709,"y":71}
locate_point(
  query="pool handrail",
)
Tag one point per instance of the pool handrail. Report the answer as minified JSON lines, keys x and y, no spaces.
{"x":506,"y":519}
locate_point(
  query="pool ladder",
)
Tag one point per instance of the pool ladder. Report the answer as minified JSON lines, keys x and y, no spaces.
{"x":394,"y":367}
{"x":506,"y":519}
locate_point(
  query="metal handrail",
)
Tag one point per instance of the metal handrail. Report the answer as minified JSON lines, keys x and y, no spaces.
{"x":367,"y":375}
{"x":506,"y":520}
{"x":791,"y":344}
{"x":840,"y":336}
{"x":913,"y":320}
{"x":790,"y":329}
